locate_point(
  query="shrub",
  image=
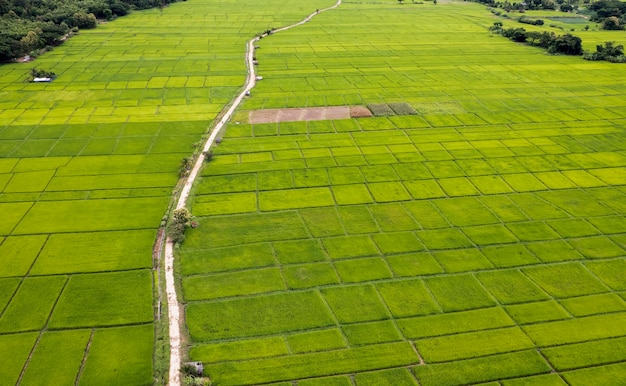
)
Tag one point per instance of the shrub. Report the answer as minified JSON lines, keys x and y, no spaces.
{"x":186,"y":164}
{"x":496,"y":27}
{"x":515,"y":34}
{"x":566,"y":44}
{"x":608,"y":52}
{"x":181,"y":220}
{"x":39,"y":73}
{"x":527,"y":20}
{"x":562,"y":44}
{"x":612,"y":24}
{"x":84,"y":21}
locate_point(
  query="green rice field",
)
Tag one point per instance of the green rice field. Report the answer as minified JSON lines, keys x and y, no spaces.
{"x":88,"y":166}
{"x":481,"y":241}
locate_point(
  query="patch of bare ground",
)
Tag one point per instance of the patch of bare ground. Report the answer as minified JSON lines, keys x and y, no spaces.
{"x":307,"y":114}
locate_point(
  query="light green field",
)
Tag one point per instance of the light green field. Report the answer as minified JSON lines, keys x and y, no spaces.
{"x":88,"y":164}
{"x":479,"y":241}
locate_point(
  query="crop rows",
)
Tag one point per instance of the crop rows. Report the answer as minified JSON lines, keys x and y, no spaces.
{"x":481,"y":240}
{"x":88,"y":164}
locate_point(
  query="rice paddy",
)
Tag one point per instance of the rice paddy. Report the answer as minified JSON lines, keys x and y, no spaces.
{"x":466,"y":242}
{"x":88,"y":164}
{"x":479,"y":237}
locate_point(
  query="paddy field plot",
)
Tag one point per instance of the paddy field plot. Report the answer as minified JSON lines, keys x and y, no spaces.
{"x":88,"y":164}
{"x":480,"y":240}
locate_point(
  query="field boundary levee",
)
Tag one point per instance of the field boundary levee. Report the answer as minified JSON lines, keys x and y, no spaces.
{"x":174,"y":315}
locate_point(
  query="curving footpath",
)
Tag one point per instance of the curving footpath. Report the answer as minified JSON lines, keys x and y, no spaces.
{"x":170,"y":287}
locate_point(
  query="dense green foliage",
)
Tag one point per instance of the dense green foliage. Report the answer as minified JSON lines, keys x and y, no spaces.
{"x":609,"y":52}
{"x":611,"y":13}
{"x":555,"y":44}
{"x":27,"y":26}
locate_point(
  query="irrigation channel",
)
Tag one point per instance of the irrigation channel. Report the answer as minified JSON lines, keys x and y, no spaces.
{"x":172,"y":298}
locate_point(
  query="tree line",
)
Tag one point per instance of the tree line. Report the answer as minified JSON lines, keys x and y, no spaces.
{"x":567,"y":44}
{"x":28,"y":26}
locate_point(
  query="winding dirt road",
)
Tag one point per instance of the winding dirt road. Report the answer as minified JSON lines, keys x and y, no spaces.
{"x":172,"y":298}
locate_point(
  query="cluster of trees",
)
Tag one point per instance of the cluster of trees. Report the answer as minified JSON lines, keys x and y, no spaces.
{"x":530,"y":21}
{"x":609,"y":52}
{"x":611,"y":13}
{"x":522,"y":5}
{"x":30,"y":25}
{"x":555,"y":44}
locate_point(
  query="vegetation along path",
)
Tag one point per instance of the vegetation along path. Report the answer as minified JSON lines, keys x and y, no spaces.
{"x":172,"y":299}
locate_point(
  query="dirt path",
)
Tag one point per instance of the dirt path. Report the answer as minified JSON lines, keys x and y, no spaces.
{"x":170,"y":287}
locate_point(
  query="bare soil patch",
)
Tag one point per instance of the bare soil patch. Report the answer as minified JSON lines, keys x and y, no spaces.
{"x":307,"y":114}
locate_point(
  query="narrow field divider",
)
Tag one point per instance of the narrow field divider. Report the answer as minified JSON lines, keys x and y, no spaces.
{"x":172,"y":298}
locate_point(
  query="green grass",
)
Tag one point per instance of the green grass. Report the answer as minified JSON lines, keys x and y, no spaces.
{"x":225,"y":231}
{"x":483,"y":369}
{"x":355,"y":303}
{"x":15,"y":349}
{"x":407,"y":298}
{"x":31,"y":305}
{"x":511,"y":287}
{"x":462,"y":260}
{"x":133,"y":367}
{"x":19,"y":253}
{"x":565,"y":280}
{"x":398,"y":242}
{"x":322,"y":221}
{"x":229,"y":258}
{"x":231,"y":284}
{"x":92,"y":215}
{"x":537,"y":312}
{"x":585,"y":354}
{"x":301,"y":251}
{"x":371,"y":333}
{"x":400,"y":377}
{"x":59,"y":355}
{"x":473,"y":344}
{"x":511,"y":174}
{"x":594,"y":304}
{"x":453,"y":323}
{"x":257,"y":315}
{"x":610,"y":272}
{"x":601,"y":375}
{"x":322,"y":340}
{"x":414,"y":264}
{"x":240,"y":350}
{"x":577,"y":330}
{"x":459,"y":293}
{"x":350,"y":246}
{"x":361,"y":270}
{"x":106,"y":299}
{"x":93,"y":252}
{"x":327,"y":363}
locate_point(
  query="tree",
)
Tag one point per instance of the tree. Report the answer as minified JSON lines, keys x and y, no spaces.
{"x":84,"y":21}
{"x":612,"y":23}
{"x":181,"y":220}
{"x":566,"y":44}
{"x":32,"y":40}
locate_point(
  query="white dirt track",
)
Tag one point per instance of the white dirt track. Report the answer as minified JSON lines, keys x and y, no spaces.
{"x":172,"y":298}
